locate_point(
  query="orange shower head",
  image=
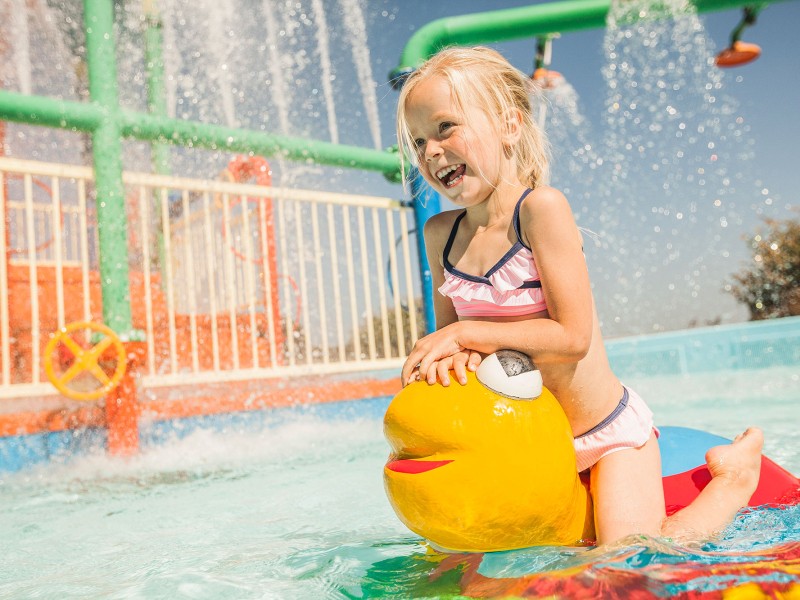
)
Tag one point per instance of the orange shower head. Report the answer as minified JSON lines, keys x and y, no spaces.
{"x":739,"y":53}
{"x":547,"y":78}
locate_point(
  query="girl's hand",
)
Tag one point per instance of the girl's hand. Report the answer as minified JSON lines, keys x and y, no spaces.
{"x":459,"y":362}
{"x":431,"y":349}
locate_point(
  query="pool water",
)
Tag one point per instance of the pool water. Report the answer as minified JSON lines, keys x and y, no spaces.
{"x":297,"y":510}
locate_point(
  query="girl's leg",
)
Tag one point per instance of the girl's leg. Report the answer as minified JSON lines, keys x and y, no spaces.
{"x":627,"y":493}
{"x":735,"y":469}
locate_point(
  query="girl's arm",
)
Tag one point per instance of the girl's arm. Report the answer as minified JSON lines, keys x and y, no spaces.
{"x":565,"y":336}
{"x":437,"y":230}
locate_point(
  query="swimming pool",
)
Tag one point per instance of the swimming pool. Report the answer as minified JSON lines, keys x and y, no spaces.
{"x":295,"y":508}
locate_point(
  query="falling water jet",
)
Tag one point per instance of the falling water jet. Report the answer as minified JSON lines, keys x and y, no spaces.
{"x":219,"y":53}
{"x":323,"y":46}
{"x":172,"y":57}
{"x":667,"y":197}
{"x":357,"y":30}
{"x":20,"y":43}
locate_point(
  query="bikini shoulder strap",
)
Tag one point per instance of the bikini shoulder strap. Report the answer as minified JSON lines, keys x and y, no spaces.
{"x":450,"y":240}
{"x":515,"y":218}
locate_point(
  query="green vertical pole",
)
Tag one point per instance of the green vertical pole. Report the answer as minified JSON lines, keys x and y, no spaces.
{"x":107,"y":154}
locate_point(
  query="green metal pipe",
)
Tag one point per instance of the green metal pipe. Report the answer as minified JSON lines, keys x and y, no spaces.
{"x":79,"y":116}
{"x":38,"y":110}
{"x":524,"y":22}
{"x":112,"y":226}
{"x":215,"y":137}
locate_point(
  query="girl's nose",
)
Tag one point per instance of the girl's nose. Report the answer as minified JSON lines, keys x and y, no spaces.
{"x":432,"y":150}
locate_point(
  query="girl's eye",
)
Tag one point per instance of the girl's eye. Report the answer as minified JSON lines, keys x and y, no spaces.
{"x":445,"y":126}
{"x":419,"y":143}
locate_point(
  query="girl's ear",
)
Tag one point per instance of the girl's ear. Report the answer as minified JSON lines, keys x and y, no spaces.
{"x":511,"y":126}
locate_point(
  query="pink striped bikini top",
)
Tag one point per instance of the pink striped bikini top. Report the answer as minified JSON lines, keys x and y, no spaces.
{"x":512,"y":287}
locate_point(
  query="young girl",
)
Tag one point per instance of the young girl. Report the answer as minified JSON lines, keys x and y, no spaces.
{"x":512,"y":275}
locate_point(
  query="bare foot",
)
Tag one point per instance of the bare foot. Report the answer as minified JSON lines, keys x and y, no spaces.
{"x":735,"y":469}
{"x":738,"y":465}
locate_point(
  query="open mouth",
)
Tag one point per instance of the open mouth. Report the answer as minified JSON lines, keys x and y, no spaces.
{"x":410,"y":465}
{"x":451,"y":175}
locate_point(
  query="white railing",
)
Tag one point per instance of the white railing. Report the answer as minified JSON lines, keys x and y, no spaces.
{"x":228,"y":281}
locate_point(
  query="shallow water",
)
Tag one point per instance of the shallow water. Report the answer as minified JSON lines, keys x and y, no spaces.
{"x":298,"y":511}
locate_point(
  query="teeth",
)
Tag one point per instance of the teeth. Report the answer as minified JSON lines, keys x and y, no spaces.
{"x":442,"y":173}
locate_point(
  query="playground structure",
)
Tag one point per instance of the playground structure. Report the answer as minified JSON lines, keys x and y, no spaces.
{"x":218,"y":298}
{"x":202,"y":276}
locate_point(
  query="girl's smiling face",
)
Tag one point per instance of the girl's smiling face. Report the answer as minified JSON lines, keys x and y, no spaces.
{"x":459,"y":152}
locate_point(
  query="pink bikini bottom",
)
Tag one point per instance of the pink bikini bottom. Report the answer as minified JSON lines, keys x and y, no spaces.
{"x":628,"y":426}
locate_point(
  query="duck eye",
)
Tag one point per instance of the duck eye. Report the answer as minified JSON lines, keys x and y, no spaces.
{"x":511,"y":374}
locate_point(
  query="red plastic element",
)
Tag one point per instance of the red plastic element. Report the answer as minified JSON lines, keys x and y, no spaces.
{"x":775,"y":486}
{"x":122,"y":407}
{"x":241,"y":169}
{"x":546,"y":78}
{"x":740,"y":53}
{"x":415,"y":466}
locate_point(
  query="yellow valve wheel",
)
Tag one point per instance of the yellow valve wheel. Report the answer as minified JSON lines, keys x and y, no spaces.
{"x":85,"y":360}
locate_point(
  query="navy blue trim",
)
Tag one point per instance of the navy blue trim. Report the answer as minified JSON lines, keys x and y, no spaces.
{"x":614,"y":414}
{"x":536,"y":283}
{"x":449,"y":245}
{"x":499,"y":264}
{"x":504,"y":259}
{"x":515,"y":219}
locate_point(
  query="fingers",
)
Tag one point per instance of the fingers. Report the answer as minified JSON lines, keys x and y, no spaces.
{"x":443,"y":372}
{"x":424,"y":365}
{"x":436,"y":370}
{"x":475,"y":360}
{"x":407,"y":372}
{"x":413,"y":362}
{"x":460,"y":367}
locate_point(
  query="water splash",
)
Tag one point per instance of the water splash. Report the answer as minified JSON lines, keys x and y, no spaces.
{"x":667,"y":180}
{"x":323,"y":45}
{"x":574,"y":143}
{"x":357,"y":30}
{"x":20,"y":43}
{"x":279,"y":66}
{"x":310,"y":519}
{"x":171,"y":56}
{"x":220,"y":38}
{"x":279,"y":73}
{"x":668,"y":183}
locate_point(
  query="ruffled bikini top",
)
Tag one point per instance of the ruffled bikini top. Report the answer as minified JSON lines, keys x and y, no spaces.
{"x":512,"y":287}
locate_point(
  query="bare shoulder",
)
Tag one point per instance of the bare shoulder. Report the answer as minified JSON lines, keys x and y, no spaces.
{"x":546,"y":213}
{"x":437,"y":227}
{"x":544,"y":200}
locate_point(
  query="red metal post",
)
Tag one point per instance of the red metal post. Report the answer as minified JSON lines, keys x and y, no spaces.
{"x":269,"y":228}
{"x":122,"y":406}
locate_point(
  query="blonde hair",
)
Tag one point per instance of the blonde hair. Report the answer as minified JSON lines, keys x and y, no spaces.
{"x":482,"y":77}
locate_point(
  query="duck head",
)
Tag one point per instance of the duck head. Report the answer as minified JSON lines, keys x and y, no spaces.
{"x":486,"y":466}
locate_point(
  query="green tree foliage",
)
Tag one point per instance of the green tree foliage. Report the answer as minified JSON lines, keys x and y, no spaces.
{"x":770,"y":284}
